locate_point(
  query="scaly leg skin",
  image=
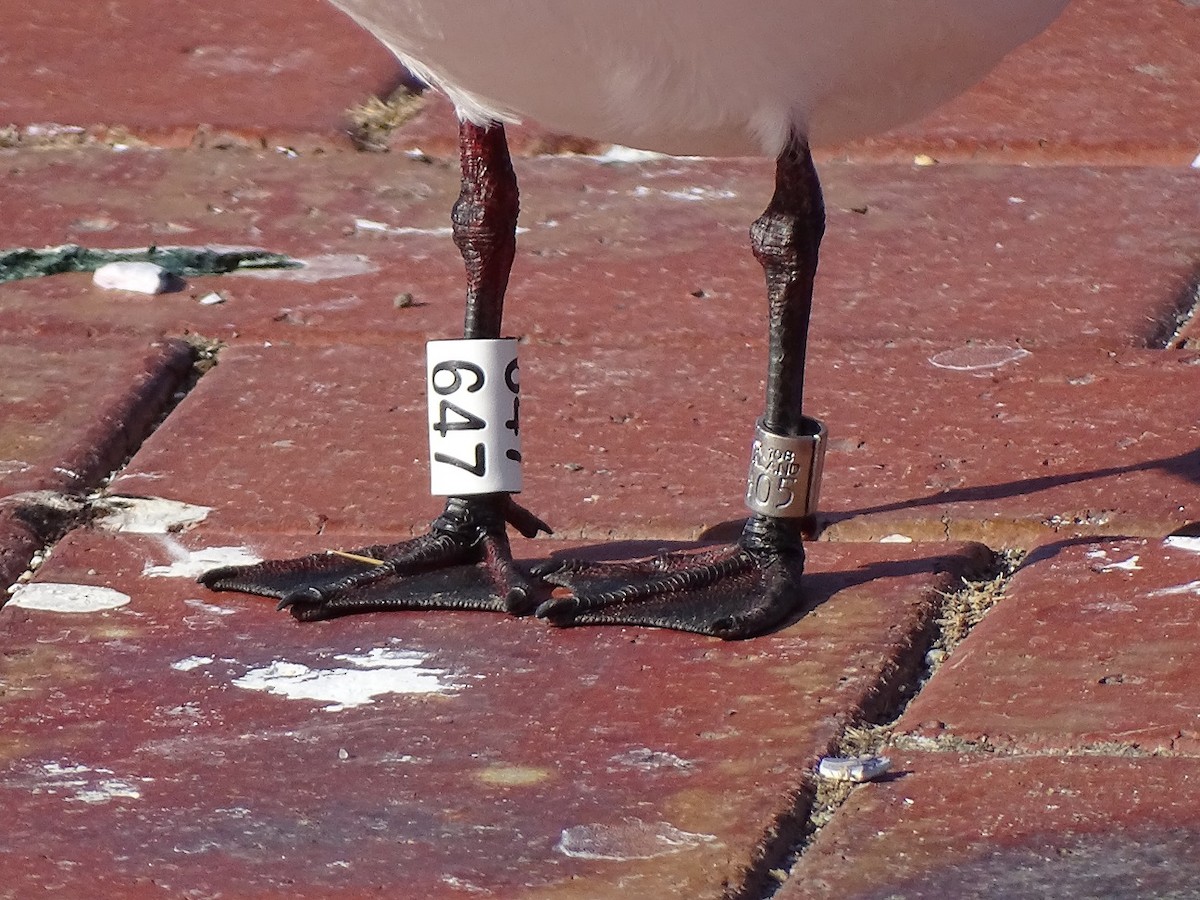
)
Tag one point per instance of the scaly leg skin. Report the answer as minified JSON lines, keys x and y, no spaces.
{"x":743,"y":590}
{"x":465,"y":561}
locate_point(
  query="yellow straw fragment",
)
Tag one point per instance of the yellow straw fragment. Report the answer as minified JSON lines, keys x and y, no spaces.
{"x":368,"y":560}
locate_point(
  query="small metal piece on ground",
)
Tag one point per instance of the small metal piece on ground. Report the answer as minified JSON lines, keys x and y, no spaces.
{"x":853,"y":768}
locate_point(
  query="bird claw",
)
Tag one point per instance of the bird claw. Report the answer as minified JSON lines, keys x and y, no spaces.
{"x":304,"y":595}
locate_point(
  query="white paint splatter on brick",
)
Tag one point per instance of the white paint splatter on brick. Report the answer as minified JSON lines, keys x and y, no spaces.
{"x":67,"y":598}
{"x":373,"y":674}
{"x":149,"y":515}
{"x":191,"y":662}
{"x":81,"y":784}
{"x":1181,"y":590}
{"x":1180,"y":542}
{"x":1127,"y":565}
{"x":194,"y":563}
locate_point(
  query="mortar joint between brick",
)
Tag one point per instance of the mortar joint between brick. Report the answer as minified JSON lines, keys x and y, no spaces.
{"x":960,"y":612}
{"x":1172,"y":332}
{"x":52,"y":515}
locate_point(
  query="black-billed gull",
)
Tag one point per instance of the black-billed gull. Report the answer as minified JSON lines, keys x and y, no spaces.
{"x":695,"y":77}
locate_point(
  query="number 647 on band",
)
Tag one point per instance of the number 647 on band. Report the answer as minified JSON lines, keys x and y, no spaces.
{"x":474,"y":417}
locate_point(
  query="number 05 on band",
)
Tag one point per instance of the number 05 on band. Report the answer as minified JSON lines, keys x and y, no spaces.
{"x":474,"y":417}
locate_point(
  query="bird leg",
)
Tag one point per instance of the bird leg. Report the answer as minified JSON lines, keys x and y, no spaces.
{"x":753,"y":585}
{"x":464,"y":562}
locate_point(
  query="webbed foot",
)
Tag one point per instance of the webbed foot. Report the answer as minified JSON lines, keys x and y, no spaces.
{"x":464,"y":562}
{"x":732,"y":592}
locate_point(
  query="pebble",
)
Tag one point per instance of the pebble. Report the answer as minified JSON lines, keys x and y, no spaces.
{"x":141,"y":277}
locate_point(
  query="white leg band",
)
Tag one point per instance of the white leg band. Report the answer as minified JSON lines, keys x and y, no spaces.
{"x":474,"y":417}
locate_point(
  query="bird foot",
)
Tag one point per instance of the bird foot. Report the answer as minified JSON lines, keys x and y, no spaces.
{"x":731,"y":592}
{"x":463,"y":563}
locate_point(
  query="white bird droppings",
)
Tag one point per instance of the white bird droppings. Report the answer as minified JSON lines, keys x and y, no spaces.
{"x":194,"y":563}
{"x":149,"y":515}
{"x":67,"y":598}
{"x":373,"y":674}
{"x":853,"y":768}
{"x":1181,"y":590}
{"x":83,"y":784}
{"x":895,"y":539}
{"x":973,"y":357}
{"x":632,"y":839}
{"x":1180,"y":542}
{"x":617,"y":153}
{"x":1127,"y":565}
{"x":140,"y":277}
{"x":191,"y":662}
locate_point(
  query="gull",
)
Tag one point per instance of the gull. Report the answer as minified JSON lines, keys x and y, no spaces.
{"x":684,"y":77}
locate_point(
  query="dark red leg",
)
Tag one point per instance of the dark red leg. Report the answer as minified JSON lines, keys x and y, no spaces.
{"x":743,"y":590}
{"x":465,"y":561}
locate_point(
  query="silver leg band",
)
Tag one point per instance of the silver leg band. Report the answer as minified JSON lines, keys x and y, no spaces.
{"x":785,"y":471}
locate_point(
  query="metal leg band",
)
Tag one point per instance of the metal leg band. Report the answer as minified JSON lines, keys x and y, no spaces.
{"x":785,"y":471}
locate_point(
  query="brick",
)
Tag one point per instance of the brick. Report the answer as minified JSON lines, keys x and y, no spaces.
{"x":625,"y":740}
{"x":1058,"y":443}
{"x":983,"y":826}
{"x":74,"y":408}
{"x":1109,"y":82}
{"x":1041,"y":256}
{"x":250,"y":73}
{"x":646,"y":443}
{"x":1092,"y":645}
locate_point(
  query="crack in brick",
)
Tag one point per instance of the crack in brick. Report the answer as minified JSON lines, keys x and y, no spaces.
{"x":961,"y":611}
{"x":951,"y":743}
{"x":48,"y":515}
{"x":1182,"y":330}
